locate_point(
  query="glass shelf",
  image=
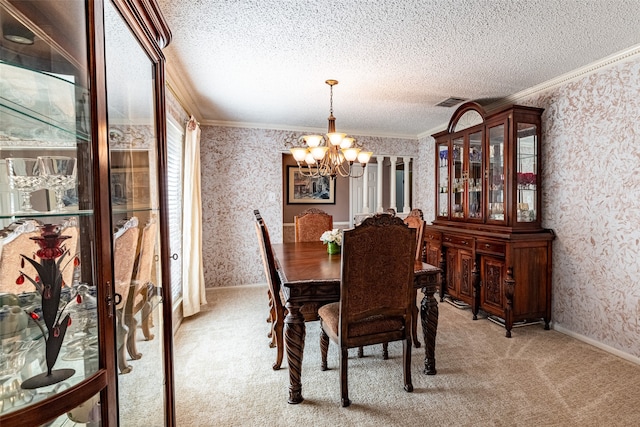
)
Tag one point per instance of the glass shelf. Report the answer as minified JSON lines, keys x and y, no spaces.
{"x":42,"y":215}
{"x":37,"y":106}
{"x":123,"y":209}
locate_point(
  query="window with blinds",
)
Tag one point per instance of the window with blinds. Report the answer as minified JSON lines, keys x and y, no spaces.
{"x":175,"y":144}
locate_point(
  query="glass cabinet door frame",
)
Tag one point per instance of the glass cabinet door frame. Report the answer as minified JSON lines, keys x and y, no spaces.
{"x":462,"y":185}
{"x":489,"y":204}
{"x":101,"y":380}
{"x":523,"y":116}
{"x":442,"y":162}
{"x":146,"y":22}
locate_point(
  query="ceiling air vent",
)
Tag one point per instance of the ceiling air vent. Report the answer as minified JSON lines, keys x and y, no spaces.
{"x":450,"y":102}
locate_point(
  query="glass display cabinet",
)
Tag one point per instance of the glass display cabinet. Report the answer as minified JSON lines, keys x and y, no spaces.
{"x":487,"y":235}
{"x":83,"y":335}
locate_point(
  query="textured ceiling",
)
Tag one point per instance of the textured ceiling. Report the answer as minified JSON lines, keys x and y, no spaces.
{"x":264,"y":62}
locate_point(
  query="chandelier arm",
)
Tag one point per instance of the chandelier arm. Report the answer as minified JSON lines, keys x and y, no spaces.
{"x":310,"y":171}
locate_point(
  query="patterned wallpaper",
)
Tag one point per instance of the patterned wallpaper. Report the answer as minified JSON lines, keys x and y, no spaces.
{"x":591,"y":199}
{"x":591,"y":154}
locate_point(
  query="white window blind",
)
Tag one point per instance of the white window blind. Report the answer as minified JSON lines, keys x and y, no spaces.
{"x":175,"y":144}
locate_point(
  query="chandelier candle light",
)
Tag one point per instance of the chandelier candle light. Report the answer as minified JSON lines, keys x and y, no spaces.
{"x":332,"y":154}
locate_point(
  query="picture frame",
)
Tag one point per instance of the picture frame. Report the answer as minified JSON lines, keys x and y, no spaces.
{"x":309,"y":190}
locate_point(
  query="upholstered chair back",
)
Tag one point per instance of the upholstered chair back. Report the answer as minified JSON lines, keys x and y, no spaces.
{"x":311,"y":223}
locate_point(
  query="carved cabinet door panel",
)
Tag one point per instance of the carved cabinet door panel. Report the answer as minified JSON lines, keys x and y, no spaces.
{"x":465,"y":259}
{"x":459,"y":268}
{"x":492,"y":271}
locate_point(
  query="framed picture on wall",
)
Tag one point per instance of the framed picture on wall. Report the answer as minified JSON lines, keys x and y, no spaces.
{"x":309,"y":190}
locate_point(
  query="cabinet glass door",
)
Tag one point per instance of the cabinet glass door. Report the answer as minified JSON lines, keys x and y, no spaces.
{"x":527,"y":173}
{"x":48,"y":285}
{"x":443,"y":180}
{"x":133,"y":149}
{"x":457,"y":178}
{"x":474,"y":174}
{"x":495,"y":174}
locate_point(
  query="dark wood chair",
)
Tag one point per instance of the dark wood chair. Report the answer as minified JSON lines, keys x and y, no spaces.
{"x":415,"y":220}
{"x":376,"y":293}
{"x":310,"y":224}
{"x":258,"y":216}
{"x":277,"y":311}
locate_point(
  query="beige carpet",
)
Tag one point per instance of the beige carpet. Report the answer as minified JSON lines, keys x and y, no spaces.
{"x":537,"y":378}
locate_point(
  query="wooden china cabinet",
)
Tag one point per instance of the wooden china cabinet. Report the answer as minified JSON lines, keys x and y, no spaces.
{"x":487,"y":236}
{"x":85,"y":309}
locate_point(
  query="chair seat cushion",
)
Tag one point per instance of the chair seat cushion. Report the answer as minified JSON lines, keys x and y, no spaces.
{"x":330,"y":315}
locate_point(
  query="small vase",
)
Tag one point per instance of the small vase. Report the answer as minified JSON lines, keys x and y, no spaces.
{"x":333,"y":248}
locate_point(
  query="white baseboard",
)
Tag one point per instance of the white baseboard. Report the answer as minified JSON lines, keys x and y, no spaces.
{"x":601,"y":346}
{"x":249,"y":285}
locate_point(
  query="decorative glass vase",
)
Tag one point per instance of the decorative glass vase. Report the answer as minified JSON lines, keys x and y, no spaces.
{"x":333,"y":248}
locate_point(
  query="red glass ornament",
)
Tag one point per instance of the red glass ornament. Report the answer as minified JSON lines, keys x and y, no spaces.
{"x":20,"y":279}
{"x":34,"y":316}
{"x":50,"y":241}
{"x":79,"y":299}
{"x":69,"y":322}
{"x":76,"y":261}
{"x":37,"y":279}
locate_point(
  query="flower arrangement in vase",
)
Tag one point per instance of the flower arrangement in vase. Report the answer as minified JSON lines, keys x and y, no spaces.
{"x":48,"y":284}
{"x":333,"y":240}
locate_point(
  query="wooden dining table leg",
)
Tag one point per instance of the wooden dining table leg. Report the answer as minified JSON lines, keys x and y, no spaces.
{"x":294,"y":335}
{"x":429,"y":319}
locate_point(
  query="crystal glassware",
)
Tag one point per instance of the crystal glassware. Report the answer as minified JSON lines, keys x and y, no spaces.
{"x":25,"y":177}
{"x":59,"y":174}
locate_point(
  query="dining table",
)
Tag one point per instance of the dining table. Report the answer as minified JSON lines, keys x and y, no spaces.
{"x":310,"y":278}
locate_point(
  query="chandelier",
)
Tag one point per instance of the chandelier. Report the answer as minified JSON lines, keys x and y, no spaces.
{"x":332,"y":154}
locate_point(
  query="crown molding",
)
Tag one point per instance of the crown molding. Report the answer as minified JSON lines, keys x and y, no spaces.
{"x":576,"y":74}
{"x":178,"y":89}
{"x":579,"y":73}
{"x":319,"y":131}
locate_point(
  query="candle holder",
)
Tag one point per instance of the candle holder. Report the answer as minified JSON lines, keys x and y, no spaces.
{"x":48,"y":284}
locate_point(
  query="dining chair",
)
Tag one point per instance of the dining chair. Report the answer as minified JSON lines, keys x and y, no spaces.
{"x":258,"y":217}
{"x":376,"y":293}
{"x":16,"y":241}
{"x":311,"y":223}
{"x":139,"y":292}
{"x":276,"y":305}
{"x":124,"y":256}
{"x":415,"y":220}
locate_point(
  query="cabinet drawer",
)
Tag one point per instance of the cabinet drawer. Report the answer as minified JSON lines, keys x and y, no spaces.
{"x":431,"y":236}
{"x":466,"y":242}
{"x":490,"y":247}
